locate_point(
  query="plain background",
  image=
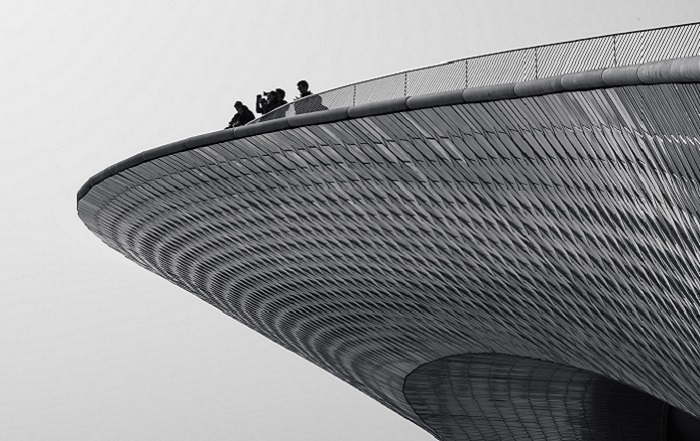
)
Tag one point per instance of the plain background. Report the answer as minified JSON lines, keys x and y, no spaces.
{"x":93,"y":347}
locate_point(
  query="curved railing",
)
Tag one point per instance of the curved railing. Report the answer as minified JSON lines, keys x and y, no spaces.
{"x":508,"y":67}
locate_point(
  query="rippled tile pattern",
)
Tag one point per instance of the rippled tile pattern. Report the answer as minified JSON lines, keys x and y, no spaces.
{"x":562,"y":228}
{"x":505,"y":398}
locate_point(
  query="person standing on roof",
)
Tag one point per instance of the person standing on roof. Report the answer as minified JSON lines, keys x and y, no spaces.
{"x":307,"y":102}
{"x":303,"y":87}
{"x":280,"y":96}
{"x":270,"y":102}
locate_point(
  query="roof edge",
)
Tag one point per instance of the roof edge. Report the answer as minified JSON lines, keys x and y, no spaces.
{"x":681,"y":70}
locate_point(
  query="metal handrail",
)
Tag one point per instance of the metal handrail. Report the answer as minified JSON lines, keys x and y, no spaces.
{"x":505,"y":67}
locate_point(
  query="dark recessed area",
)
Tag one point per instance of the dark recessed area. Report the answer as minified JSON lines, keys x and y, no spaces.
{"x":682,"y":426}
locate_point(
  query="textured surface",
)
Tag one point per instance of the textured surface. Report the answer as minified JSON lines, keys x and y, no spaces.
{"x":505,"y":398}
{"x":520,"y":65}
{"x":562,"y":228}
{"x":684,"y":70}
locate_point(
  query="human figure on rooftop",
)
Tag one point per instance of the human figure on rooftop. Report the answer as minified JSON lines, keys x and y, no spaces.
{"x":307,"y":102}
{"x":270,"y":102}
{"x":280,"y":96}
{"x":303,"y":87}
{"x":264,"y":105}
{"x":243,"y":116}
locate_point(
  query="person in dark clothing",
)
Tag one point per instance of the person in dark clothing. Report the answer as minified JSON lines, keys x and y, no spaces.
{"x":246,"y":116}
{"x":243,"y":116}
{"x":270,"y":102}
{"x":280,"y":96}
{"x":303,"y":87}
{"x":307,"y":102}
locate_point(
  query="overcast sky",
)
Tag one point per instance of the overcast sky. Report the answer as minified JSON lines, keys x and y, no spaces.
{"x":93,"y":347}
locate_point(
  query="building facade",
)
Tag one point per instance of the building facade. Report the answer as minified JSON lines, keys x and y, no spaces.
{"x":516,"y":260}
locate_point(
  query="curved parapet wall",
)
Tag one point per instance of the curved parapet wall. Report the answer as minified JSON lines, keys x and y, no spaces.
{"x":662,"y":72}
{"x":514,"y":66}
{"x":539,"y":223}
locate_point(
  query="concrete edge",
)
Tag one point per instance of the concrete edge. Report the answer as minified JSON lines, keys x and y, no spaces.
{"x":592,"y":79}
{"x":681,"y":70}
{"x":621,"y":76}
{"x":378,"y":108}
{"x":542,"y":86}
{"x":320,"y":117}
{"x":489,"y":93}
{"x":435,"y":99}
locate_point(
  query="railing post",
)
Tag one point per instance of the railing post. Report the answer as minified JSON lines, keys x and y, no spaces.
{"x":466,"y":73}
{"x":537,"y":67}
{"x":405,"y":84}
{"x":615,"y":50}
{"x":354,"y":93}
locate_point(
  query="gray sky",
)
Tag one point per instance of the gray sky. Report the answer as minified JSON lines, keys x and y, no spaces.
{"x":93,"y":347}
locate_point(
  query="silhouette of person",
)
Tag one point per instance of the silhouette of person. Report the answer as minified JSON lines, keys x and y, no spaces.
{"x":280,"y":96}
{"x":243,"y":116}
{"x":303,"y":87}
{"x":264,"y":105}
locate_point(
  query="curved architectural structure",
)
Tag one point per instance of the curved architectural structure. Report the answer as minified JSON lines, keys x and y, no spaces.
{"x":514,"y":261}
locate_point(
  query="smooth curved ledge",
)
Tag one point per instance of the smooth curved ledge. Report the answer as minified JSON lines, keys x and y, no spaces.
{"x":681,"y":70}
